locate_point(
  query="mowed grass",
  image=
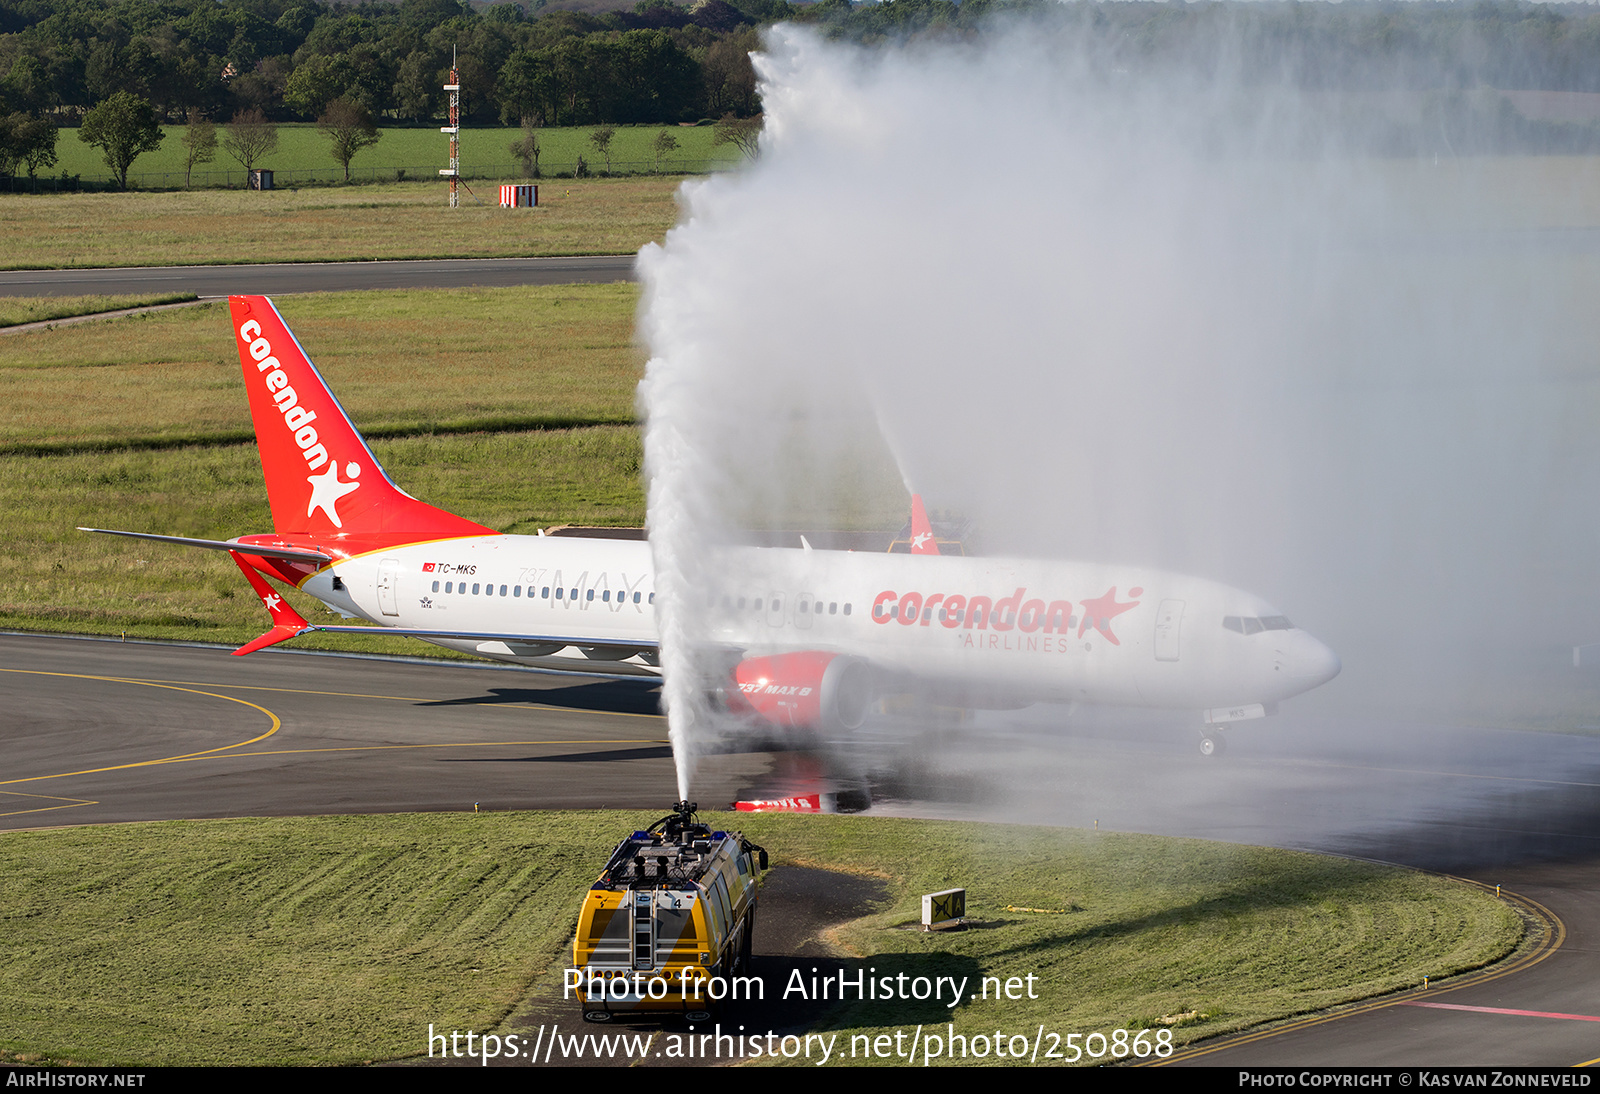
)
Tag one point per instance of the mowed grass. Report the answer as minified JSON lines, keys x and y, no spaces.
{"x":400,"y":362}
{"x":419,"y":151}
{"x":340,"y":939}
{"x":17,"y":310}
{"x":394,"y":221}
{"x":1140,"y":932}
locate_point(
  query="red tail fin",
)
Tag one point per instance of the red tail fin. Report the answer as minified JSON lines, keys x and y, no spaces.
{"x":322,"y":479}
{"x":921,"y":531}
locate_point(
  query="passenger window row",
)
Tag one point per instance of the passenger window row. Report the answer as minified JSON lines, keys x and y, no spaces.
{"x":488,"y":589}
{"x":755,"y":604}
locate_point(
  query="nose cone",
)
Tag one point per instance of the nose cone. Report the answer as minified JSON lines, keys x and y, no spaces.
{"x":1307,"y":662}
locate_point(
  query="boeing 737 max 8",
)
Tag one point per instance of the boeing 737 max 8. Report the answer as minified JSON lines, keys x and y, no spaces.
{"x":809,"y":638}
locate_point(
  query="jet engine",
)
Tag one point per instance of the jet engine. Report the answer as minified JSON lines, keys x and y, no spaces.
{"x":810,"y":690}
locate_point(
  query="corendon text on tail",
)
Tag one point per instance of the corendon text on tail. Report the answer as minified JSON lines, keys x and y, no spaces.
{"x":811,"y":638}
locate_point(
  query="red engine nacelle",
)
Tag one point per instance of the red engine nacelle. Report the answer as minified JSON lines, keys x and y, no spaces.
{"x":805,"y":690}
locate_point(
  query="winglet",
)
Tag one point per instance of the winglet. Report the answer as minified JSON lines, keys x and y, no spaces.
{"x":921,"y":531}
{"x":286,"y":622}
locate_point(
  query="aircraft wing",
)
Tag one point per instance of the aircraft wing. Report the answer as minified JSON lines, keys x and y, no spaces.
{"x":522,"y":637}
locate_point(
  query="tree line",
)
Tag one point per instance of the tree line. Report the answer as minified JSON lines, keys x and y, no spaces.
{"x":664,"y":63}
{"x":380,"y":61}
{"x":290,"y":58}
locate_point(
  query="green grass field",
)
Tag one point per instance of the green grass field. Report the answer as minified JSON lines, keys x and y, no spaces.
{"x":409,"y":220}
{"x":303,"y":156}
{"x":18,"y":310}
{"x":516,"y":358}
{"x":337,"y":940}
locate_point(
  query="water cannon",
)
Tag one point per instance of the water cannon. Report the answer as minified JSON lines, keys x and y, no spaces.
{"x":680,"y":826}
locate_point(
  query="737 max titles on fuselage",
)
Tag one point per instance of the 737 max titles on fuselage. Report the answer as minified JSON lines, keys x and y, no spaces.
{"x":810,"y":638}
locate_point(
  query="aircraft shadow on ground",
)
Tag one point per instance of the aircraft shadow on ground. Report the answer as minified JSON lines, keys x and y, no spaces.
{"x":610,"y":696}
{"x":606,"y":755}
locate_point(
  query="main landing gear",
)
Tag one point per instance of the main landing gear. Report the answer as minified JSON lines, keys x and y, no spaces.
{"x":1212,"y":742}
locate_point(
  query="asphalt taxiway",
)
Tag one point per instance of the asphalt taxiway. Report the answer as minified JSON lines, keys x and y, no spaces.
{"x":281,"y":278}
{"x":102,"y":731}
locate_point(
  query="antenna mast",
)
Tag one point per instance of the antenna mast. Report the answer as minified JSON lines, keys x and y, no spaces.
{"x":453,"y":172}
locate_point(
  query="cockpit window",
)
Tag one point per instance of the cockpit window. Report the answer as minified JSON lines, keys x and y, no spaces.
{"x":1246,"y":624}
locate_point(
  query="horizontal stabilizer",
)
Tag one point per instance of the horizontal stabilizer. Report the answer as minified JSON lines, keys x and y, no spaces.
{"x":293,"y":554}
{"x":271,"y":638}
{"x":286,"y":622}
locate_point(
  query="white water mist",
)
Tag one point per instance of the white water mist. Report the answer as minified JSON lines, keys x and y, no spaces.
{"x":1132,"y":317}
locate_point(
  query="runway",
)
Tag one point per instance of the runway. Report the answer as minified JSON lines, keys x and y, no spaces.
{"x":281,"y":278}
{"x":100,"y":731}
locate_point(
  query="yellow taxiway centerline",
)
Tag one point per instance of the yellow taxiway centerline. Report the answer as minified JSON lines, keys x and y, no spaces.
{"x":277,"y":723}
{"x":362,"y":695}
{"x":71,"y":803}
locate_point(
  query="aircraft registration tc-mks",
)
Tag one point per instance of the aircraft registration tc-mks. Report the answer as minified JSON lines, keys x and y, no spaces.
{"x":811,"y":638}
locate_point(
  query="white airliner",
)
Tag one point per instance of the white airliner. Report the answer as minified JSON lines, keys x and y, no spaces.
{"x":810,"y":638}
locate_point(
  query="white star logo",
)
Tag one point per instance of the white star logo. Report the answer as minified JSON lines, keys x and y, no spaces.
{"x":326,"y":490}
{"x":272,"y":600}
{"x":919,"y":540}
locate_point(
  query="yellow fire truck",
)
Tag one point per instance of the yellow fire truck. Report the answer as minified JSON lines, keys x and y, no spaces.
{"x":667,"y":928}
